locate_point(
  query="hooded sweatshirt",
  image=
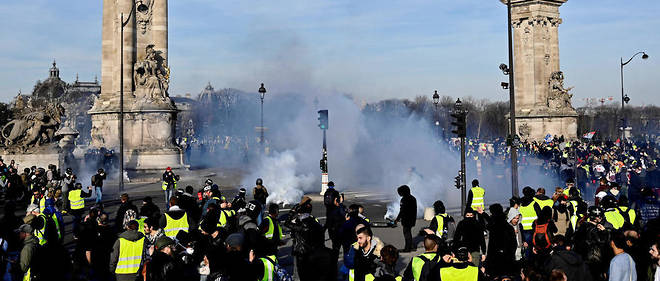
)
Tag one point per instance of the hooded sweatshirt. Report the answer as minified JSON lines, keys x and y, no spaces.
{"x":130,"y":235}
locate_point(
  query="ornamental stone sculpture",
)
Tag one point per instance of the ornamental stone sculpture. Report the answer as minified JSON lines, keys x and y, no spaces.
{"x":33,"y":129}
{"x":558,"y":97}
{"x":151,"y":77}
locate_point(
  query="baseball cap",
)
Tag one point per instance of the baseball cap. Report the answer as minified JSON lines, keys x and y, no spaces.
{"x":163,"y":242}
{"x":32,"y":208}
{"x":235,"y":240}
{"x":207,"y":188}
{"x":24,"y":228}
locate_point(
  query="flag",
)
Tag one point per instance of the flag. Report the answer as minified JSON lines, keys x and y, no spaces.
{"x":589,"y":135}
{"x":548,"y":138}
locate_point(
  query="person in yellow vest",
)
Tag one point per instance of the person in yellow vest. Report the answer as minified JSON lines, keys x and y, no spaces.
{"x":365,"y":252}
{"x":629,"y":214}
{"x":264,"y":265}
{"x":475,"y":197}
{"x":169,"y":184}
{"x":420,"y":266}
{"x":439,"y":223}
{"x":30,"y":244}
{"x":271,"y":229}
{"x":612,"y":215}
{"x":77,"y":205}
{"x":175,"y":220}
{"x":461,"y":268}
{"x":543,"y":200}
{"x":127,"y":256}
{"x":529,"y":211}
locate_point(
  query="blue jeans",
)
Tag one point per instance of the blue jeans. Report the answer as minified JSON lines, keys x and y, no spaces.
{"x":527,"y":236}
{"x":99,"y":194}
{"x":168,"y":195}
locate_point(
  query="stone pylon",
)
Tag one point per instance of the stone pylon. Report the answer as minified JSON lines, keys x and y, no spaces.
{"x":135,"y":62}
{"x":543,"y":105}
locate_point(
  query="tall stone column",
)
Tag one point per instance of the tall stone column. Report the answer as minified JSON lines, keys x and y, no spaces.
{"x":542,"y":104}
{"x":149,"y":113}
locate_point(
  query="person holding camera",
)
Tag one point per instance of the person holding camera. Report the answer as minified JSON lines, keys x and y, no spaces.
{"x":313,"y":261}
{"x":97,"y":183}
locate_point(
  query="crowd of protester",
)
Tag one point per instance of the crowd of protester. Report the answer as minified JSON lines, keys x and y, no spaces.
{"x":556,"y":232}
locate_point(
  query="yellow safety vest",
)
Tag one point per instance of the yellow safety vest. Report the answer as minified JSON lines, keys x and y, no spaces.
{"x":164,"y":186}
{"x":528,"y":216}
{"x":140,"y":222}
{"x":130,"y":256}
{"x":225,"y":215}
{"x":26,"y":276}
{"x":75,"y":200}
{"x":418,"y":264}
{"x":575,"y":216}
{"x":41,"y":233}
{"x":477,"y":197}
{"x":629,"y":212}
{"x":615,"y":218}
{"x":269,"y":268}
{"x":470,"y":273}
{"x":370,"y":277}
{"x":42,"y":204}
{"x":271,"y":229}
{"x":57,"y":226}
{"x":174,"y":226}
{"x":543,"y":203}
{"x":351,"y":272}
{"x":440,"y":219}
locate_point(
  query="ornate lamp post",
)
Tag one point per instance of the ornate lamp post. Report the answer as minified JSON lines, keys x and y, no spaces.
{"x":436,"y":100}
{"x":624,"y":98}
{"x":262,"y":92}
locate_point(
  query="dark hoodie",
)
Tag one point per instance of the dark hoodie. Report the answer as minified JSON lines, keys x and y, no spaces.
{"x":571,"y":263}
{"x":130,"y":235}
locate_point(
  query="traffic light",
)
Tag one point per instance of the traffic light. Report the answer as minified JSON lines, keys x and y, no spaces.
{"x":324,"y":165}
{"x":460,"y":124}
{"x":457,"y":180}
{"x":323,"y":119}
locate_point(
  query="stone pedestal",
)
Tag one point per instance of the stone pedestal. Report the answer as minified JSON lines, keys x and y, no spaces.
{"x":148,"y":138}
{"x":536,"y":127}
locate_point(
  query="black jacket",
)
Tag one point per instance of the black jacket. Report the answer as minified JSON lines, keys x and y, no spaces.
{"x":163,"y":267}
{"x":308,"y":235}
{"x":121,"y":212}
{"x":97,"y":180}
{"x":470,"y":233}
{"x":571,"y":263}
{"x":408,"y":211}
{"x":502,"y":247}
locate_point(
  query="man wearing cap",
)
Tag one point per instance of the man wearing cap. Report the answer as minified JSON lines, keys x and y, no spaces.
{"x":97,"y":183}
{"x":127,"y":255}
{"x":175,"y":220}
{"x":163,"y":265}
{"x":30,"y":244}
{"x":169,"y":184}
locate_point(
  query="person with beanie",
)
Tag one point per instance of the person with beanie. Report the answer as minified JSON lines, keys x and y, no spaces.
{"x":407,"y":216}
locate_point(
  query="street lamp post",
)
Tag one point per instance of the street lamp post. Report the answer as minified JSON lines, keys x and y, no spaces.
{"x":121,"y":101}
{"x":262,"y":92}
{"x":624,"y":98}
{"x":436,"y":101}
{"x":512,"y":109}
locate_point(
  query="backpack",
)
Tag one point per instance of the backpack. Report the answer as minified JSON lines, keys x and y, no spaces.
{"x":329,"y":197}
{"x":541,"y":238}
{"x":129,"y":215}
{"x":280,"y":273}
{"x":427,"y":267}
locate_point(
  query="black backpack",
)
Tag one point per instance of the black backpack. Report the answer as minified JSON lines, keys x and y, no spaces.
{"x":329,"y":197}
{"x":427,"y":267}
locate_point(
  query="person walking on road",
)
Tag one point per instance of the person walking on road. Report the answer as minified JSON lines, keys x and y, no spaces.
{"x":260,"y":194}
{"x":475,"y":197}
{"x":97,"y":183}
{"x":169,"y":185}
{"x":407,"y":216}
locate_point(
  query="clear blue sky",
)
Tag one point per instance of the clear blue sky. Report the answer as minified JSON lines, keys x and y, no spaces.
{"x":370,"y":49}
